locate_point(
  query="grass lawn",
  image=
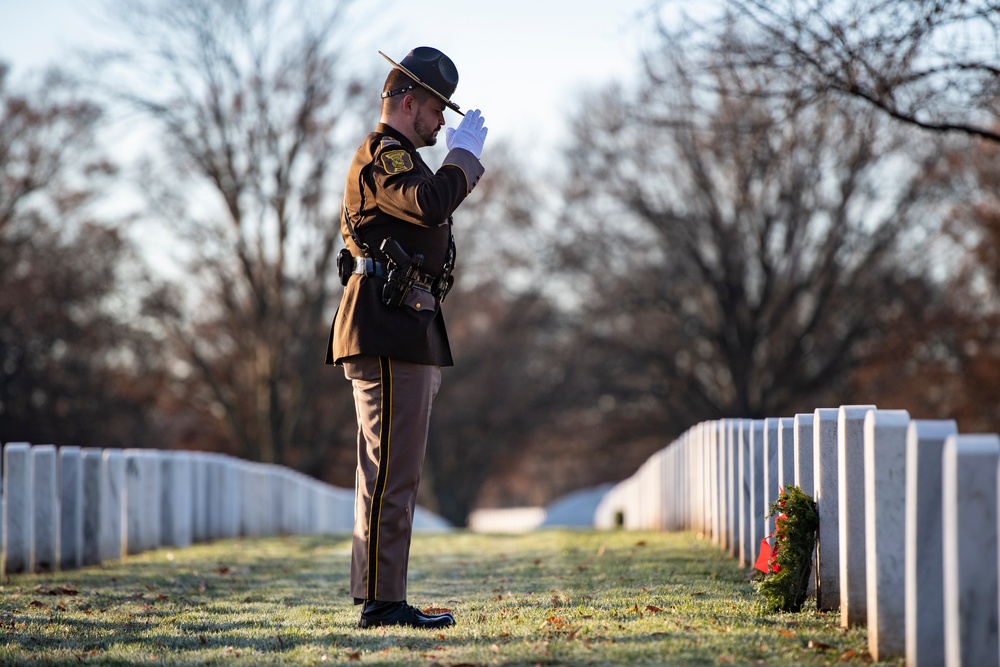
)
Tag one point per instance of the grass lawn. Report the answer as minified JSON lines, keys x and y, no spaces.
{"x":544,"y":598}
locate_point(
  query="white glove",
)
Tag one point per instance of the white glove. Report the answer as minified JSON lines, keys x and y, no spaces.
{"x":470,"y":134}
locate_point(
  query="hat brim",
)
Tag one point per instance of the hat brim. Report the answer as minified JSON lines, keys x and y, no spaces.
{"x":451,"y":105}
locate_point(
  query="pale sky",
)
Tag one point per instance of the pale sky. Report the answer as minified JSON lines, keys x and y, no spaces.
{"x":522,"y":62}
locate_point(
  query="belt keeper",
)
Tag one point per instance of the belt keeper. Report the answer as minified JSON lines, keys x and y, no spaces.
{"x":366,"y":266}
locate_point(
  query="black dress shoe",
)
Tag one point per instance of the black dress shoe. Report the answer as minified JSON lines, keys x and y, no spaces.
{"x":375,"y":614}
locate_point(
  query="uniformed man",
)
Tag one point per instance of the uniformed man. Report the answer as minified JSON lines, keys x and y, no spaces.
{"x":389,"y":333}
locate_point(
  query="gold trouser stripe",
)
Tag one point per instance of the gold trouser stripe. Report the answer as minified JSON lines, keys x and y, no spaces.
{"x":375,"y":512}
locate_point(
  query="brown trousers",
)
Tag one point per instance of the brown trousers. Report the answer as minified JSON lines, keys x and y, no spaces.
{"x":393,"y":400}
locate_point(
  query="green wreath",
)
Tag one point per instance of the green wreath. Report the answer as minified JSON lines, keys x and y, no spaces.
{"x":789,"y":563}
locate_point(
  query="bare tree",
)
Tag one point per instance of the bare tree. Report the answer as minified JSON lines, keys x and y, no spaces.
{"x":934,"y":64}
{"x":739,"y":249}
{"x":952,"y":368}
{"x":249,"y":99}
{"x":74,"y":366}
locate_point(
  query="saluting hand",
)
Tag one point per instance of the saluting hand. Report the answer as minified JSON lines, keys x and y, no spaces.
{"x":470,"y":134}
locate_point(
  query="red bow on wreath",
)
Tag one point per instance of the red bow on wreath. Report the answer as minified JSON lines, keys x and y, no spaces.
{"x":766,"y":559}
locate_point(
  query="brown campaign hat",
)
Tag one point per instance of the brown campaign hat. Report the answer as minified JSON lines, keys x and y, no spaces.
{"x":431,"y":69}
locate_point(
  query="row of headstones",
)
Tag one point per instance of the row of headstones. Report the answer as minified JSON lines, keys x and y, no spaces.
{"x":908,"y":510}
{"x":67,"y":507}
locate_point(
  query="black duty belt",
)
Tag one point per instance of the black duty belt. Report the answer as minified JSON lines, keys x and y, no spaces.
{"x":366,"y":266}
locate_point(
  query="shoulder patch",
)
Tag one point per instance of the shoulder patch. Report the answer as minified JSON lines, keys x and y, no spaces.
{"x":396,"y":162}
{"x":389,"y":141}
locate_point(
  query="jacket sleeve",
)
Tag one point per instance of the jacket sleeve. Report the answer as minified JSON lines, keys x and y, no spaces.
{"x":405,"y":190}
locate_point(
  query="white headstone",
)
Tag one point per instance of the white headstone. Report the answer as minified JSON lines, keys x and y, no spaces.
{"x":803,"y":464}
{"x":722,"y":488}
{"x":342,"y":509}
{"x":851,"y":519}
{"x":70,"y":508}
{"x":696,"y":458}
{"x":214,"y":495}
{"x":772,"y":426}
{"x":786,"y":452}
{"x":828,"y":505}
{"x":733,"y":487}
{"x":142,"y":500}
{"x":45,"y":508}
{"x":757,"y":507}
{"x":668,"y":499}
{"x":804,"y":468}
{"x":231,"y":505}
{"x":92,"y":467}
{"x":17,"y":531}
{"x":176,"y":489}
{"x":969,"y":511}
{"x":744,"y":480}
{"x":199,"y":496}
{"x":113,"y":505}
{"x":710,"y":474}
{"x":273,"y":484}
{"x":885,"y":526}
{"x":924,"y":542}
{"x":251,"y":512}
{"x":152,"y":533}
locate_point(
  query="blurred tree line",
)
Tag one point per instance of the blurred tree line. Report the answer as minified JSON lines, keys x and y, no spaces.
{"x":793,"y":206}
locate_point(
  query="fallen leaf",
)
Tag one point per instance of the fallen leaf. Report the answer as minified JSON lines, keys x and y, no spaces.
{"x":819,"y":646}
{"x":437,"y":610}
{"x":786,"y":633}
{"x":653,"y":608}
{"x":36,"y":603}
{"x":699,"y":593}
{"x":354,"y":656}
{"x":847,"y":655}
{"x":203,"y":640}
{"x":223,"y":569}
{"x":640,"y":543}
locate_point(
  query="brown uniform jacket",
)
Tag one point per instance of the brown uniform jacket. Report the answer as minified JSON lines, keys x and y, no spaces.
{"x":391,"y":192}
